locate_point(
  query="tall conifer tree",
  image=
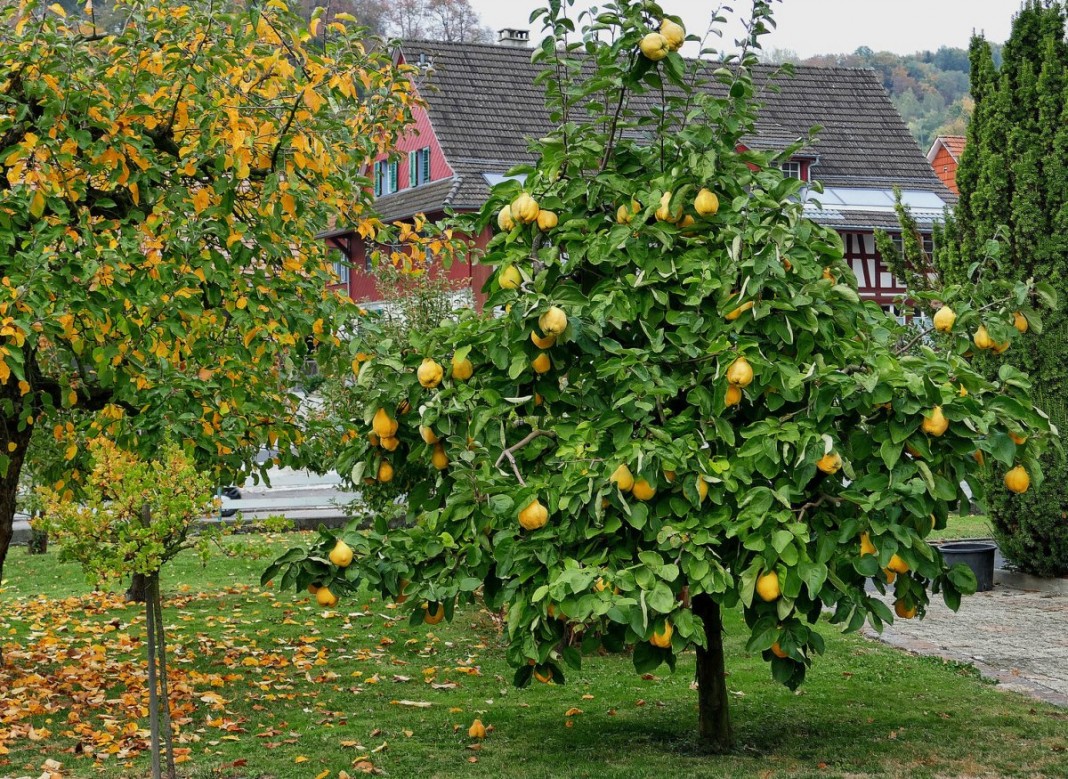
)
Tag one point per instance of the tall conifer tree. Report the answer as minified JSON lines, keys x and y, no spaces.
{"x":1013,"y":184}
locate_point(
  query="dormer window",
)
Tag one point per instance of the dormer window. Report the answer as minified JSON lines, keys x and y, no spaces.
{"x":792,"y":170}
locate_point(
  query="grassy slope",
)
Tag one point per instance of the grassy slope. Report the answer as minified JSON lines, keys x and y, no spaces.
{"x":865,"y":711}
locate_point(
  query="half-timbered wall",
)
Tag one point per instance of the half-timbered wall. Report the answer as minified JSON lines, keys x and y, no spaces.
{"x":873,"y":278}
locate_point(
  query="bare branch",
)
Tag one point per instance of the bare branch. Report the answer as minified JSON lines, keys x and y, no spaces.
{"x":509,"y":453}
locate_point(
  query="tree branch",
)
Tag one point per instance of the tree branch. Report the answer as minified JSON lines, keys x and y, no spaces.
{"x":823,"y":498}
{"x":509,"y":453}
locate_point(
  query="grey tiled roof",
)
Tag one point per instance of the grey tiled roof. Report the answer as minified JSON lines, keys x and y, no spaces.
{"x":416,"y":200}
{"x":485,"y":108}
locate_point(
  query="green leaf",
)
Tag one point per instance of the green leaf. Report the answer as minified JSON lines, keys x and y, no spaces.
{"x":647,"y":658}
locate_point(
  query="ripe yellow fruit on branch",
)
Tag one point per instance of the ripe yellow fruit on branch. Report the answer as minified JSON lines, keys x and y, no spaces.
{"x":890,"y":575}
{"x":541,"y":363}
{"x":462,"y":370}
{"x":341,"y":554}
{"x":654,"y":47}
{"x":625,"y":216}
{"x":534,"y":516}
{"x":643,"y":490}
{"x":428,"y":435}
{"x":622,"y":478}
{"x":944,"y":319}
{"x":1017,"y":480}
{"x":547,"y":220}
{"x":662,"y":638}
{"x":674,"y":34}
{"x":542,"y":342}
{"x":740,"y":373}
{"x":830,"y":463}
{"x":390,"y":443}
{"x":505,"y":220}
{"x":664,"y":212}
{"x":553,"y":322}
{"x":385,"y":472}
{"x":510,"y":277}
{"x":477,"y":730}
{"x":702,"y":490}
{"x":935,"y":423}
{"x":733,"y":396}
{"x":383,"y":424}
{"x":325,"y":598}
{"x":433,"y":613}
{"x":545,"y":676}
{"x":525,"y":209}
{"x":866,"y":546}
{"x":740,"y":310}
{"x":897,"y":565}
{"x":777,"y":650}
{"x":1019,"y":321}
{"x":439,"y":459}
{"x":767,"y":586}
{"x":706,"y":203}
{"x":982,"y":339}
{"x":904,"y":610}
{"x":1017,"y":439}
{"x":430,"y":373}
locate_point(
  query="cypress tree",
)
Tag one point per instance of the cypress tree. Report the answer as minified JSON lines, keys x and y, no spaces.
{"x":1014,"y":173}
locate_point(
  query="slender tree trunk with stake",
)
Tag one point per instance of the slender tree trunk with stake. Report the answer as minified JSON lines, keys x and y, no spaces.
{"x":153,"y":691}
{"x":167,"y":732}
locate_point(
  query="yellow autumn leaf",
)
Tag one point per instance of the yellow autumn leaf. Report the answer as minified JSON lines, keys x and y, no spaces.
{"x":5,"y":372}
{"x":322,"y":774}
{"x":313,"y":28}
{"x":72,"y":398}
{"x":58,"y":10}
{"x":24,"y":387}
{"x":37,"y":205}
{"x":313,"y":99}
{"x":72,"y":450}
{"x":12,"y":446}
{"x":201,"y":200}
{"x":300,"y":759}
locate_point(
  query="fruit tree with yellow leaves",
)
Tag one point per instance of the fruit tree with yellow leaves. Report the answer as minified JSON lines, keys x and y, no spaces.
{"x":161,"y":185}
{"x":682,"y":405}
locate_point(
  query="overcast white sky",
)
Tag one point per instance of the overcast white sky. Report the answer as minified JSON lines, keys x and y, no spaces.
{"x":826,"y":26}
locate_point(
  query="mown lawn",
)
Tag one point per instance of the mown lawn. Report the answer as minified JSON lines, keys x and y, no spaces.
{"x":269,"y":685}
{"x":967,"y":526}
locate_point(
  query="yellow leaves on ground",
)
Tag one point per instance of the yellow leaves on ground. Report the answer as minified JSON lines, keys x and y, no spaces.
{"x":80,"y":666}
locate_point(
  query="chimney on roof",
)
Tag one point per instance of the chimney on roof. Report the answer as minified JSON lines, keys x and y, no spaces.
{"x":509,"y":36}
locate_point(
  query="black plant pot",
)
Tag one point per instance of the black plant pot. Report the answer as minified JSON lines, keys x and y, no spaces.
{"x":977,"y":555}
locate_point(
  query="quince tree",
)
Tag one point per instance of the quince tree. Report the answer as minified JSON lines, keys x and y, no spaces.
{"x":675,"y":403}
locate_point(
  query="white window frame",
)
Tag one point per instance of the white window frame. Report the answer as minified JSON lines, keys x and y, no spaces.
{"x":790,"y":167}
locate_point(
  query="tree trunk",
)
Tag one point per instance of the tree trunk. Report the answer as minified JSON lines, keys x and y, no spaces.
{"x":153,"y":689}
{"x":138,"y":590}
{"x":714,"y":722}
{"x":167,"y":732}
{"x":38,"y":543}
{"x":9,"y":479}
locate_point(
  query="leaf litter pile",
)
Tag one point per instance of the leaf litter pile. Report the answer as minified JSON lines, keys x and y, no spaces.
{"x":74,"y":688}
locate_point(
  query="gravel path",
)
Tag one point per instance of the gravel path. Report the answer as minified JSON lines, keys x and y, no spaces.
{"x":1018,"y":637}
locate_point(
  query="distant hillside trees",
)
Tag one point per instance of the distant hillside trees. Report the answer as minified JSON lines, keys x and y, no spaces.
{"x":929,"y":89}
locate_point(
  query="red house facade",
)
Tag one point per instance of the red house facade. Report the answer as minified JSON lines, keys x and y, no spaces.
{"x":944,"y":156}
{"x":477,"y":127}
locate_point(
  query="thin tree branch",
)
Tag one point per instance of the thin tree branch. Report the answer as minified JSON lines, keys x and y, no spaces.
{"x":509,"y":453}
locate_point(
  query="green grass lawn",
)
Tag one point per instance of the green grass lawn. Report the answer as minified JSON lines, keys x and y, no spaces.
{"x":269,"y":685}
{"x":968,"y":526}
